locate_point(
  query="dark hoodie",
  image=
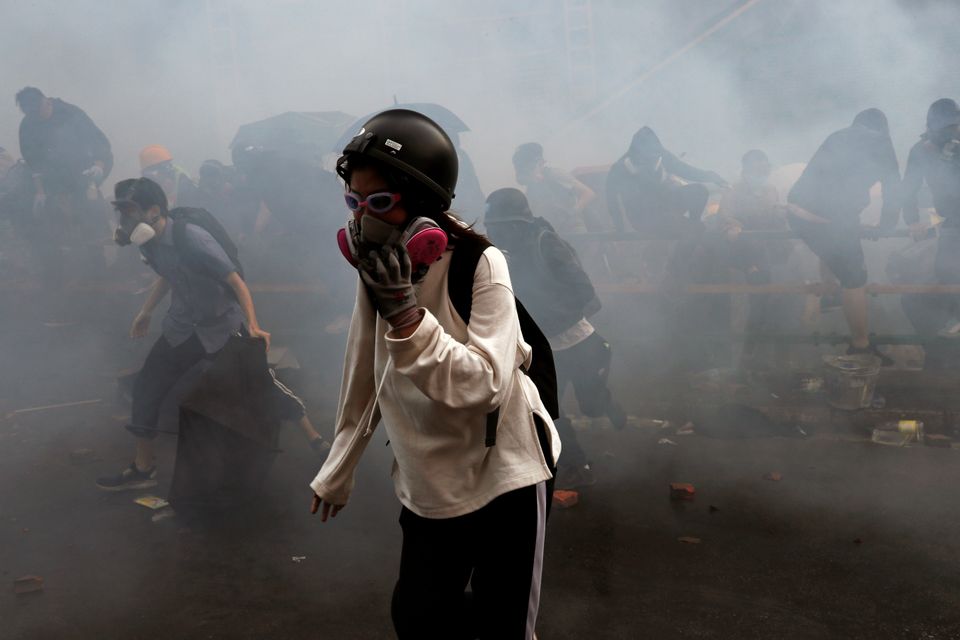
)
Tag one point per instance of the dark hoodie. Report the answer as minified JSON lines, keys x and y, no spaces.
{"x":935,"y":160}
{"x":548,"y":278}
{"x":836,"y":182}
{"x":63,"y":146}
{"x":639,"y":181}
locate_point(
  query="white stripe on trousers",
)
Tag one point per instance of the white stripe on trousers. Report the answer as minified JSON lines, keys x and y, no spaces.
{"x":533,"y":605}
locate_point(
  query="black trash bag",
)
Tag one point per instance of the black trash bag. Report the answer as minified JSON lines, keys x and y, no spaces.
{"x":229,"y":429}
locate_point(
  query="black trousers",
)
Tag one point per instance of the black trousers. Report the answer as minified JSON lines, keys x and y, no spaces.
{"x":587,"y":367}
{"x":497,"y":550}
{"x":164,"y":366}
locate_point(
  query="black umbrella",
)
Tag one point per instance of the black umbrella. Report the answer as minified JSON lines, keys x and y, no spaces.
{"x":448,"y":120}
{"x":293,"y":129}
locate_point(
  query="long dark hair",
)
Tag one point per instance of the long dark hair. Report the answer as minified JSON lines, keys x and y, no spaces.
{"x":419,"y":200}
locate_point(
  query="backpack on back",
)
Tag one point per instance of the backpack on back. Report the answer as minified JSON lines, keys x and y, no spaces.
{"x":463,"y":264}
{"x":202,"y":218}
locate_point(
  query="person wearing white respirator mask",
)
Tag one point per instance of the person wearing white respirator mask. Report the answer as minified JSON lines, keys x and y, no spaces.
{"x":444,"y":382}
{"x":209,"y":303}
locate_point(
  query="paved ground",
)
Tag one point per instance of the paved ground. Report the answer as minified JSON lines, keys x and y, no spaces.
{"x":776,"y":559}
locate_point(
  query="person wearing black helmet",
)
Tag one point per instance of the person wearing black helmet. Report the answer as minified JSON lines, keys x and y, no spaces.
{"x":935,"y":160}
{"x":548,"y":277}
{"x":471,"y":513}
{"x":824,"y":209}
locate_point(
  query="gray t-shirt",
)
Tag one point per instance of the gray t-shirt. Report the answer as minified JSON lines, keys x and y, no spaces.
{"x":201,"y":302}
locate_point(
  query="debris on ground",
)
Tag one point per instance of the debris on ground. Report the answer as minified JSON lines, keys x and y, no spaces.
{"x":565,"y":499}
{"x":27,"y":584}
{"x":714,"y":509}
{"x":689,"y":540}
{"x":938,"y":440}
{"x":163,"y":514}
{"x":858,"y":541}
{"x":648,"y":423}
{"x":82,"y":456}
{"x":666,"y":441}
{"x":682,"y":491}
{"x":298,"y":559}
{"x":686,"y":430}
{"x":48,"y":407}
{"x":152,"y":502}
{"x":773,"y":476}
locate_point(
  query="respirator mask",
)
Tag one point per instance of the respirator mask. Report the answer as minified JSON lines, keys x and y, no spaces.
{"x":131,"y":230}
{"x":423,"y":239}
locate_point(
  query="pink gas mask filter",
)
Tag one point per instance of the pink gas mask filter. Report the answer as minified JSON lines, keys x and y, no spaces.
{"x":423,"y":239}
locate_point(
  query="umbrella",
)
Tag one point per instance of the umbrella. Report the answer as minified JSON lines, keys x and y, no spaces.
{"x":293,"y":129}
{"x":448,"y":120}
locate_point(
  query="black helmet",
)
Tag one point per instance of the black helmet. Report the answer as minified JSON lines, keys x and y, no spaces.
{"x":507,"y":205}
{"x":942,"y":113}
{"x":412,"y":143}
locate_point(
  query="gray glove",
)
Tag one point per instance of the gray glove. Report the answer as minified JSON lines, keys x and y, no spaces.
{"x":387,"y":274}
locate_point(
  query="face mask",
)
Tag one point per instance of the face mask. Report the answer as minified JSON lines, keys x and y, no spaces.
{"x":139,"y":236}
{"x":423,"y":239}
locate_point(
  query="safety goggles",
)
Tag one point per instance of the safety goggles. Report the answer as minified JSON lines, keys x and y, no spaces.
{"x":381,"y":202}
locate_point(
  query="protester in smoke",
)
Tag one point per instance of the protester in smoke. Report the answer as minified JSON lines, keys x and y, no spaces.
{"x":935,"y":161}
{"x":471,"y":513}
{"x":553,"y":194}
{"x":753,"y":204}
{"x":156,"y":163}
{"x":222,"y":191}
{"x":548,"y":278}
{"x":69,"y":157}
{"x":646,"y":187}
{"x":825,"y":205}
{"x":209,"y":303}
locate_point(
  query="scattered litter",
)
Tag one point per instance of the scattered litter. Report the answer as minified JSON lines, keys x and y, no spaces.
{"x":609,"y":454}
{"x":686,"y":430}
{"x":938,"y":440}
{"x":81,"y":456}
{"x":27,"y":584}
{"x":901,"y":433}
{"x":298,"y":559}
{"x":811,"y":385}
{"x":648,"y":423}
{"x":666,"y":441}
{"x":878,"y":402}
{"x":163,"y":514}
{"x":774,"y":396}
{"x":773,"y":476}
{"x":689,"y":540}
{"x":565,"y":499}
{"x":682,"y":491}
{"x":152,"y":502}
{"x":47,"y":407}
{"x":714,"y":509}
{"x":58,"y":325}
{"x":858,"y":541}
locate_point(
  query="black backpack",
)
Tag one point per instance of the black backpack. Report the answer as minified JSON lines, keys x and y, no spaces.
{"x":463,"y":264}
{"x":182,"y":216}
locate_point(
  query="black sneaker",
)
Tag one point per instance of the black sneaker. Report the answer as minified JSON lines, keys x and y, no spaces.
{"x":885,"y":361}
{"x":129,"y":479}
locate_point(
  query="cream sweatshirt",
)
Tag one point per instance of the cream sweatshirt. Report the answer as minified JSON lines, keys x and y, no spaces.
{"x":434,"y":390}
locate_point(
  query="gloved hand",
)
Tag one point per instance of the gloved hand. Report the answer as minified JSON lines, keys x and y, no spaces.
{"x":387,"y":274}
{"x":94,"y":172}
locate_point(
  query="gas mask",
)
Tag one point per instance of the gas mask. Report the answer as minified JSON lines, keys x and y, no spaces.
{"x":423,"y":239}
{"x":133,"y":231}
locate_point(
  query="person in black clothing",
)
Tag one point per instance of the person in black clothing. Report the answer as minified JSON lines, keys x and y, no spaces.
{"x":646,"y":187}
{"x":69,"y":158}
{"x":935,"y":160}
{"x":548,"y":278}
{"x":824,"y":209}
